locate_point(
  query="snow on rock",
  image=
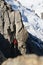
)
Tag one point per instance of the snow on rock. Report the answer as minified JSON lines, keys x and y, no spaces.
{"x":36,"y":5}
{"x":32,"y":22}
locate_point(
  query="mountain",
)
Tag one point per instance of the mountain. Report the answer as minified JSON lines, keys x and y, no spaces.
{"x":35,"y":5}
{"x":32,"y":22}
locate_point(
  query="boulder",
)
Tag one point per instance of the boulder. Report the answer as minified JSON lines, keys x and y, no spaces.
{"x":31,"y":59}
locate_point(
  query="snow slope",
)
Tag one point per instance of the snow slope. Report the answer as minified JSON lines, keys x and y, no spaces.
{"x":36,"y":5}
{"x":32,"y":22}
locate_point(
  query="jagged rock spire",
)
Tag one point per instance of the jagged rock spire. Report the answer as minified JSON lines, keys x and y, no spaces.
{"x":9,"y":21}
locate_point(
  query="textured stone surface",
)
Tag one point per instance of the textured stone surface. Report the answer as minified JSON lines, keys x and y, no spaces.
{"x":25,"y":60}
{"x":42,"y":15}
{"x":21,"y":33}
{"x":11,"y":25}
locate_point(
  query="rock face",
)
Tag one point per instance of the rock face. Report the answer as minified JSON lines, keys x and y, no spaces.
{"x":21,"y":33}
{"x":11,"y":26}
{"x":42,"y":15}
{"x":25,"y":60}
{"x":7,"y":20}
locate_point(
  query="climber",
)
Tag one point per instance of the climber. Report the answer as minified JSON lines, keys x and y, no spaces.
{"x":15,"y":43}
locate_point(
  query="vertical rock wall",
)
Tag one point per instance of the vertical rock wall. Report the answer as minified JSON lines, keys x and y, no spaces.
{"x":8,"y":20}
